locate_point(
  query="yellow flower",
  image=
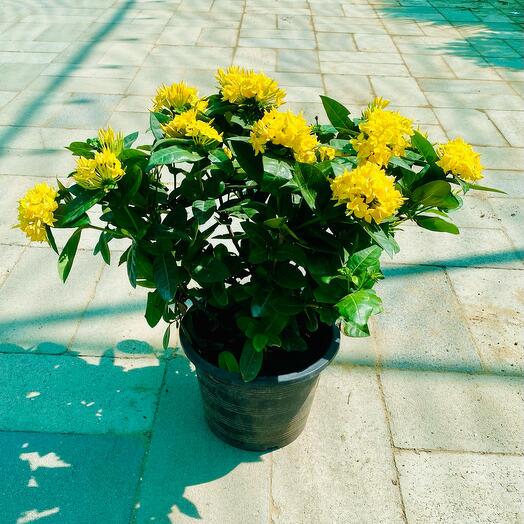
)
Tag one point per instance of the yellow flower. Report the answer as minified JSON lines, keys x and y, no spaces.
{"x":111,"y":141}
{"x":178,"y":97}
{"x":285,"y":129}
{"x":459,"y":158}
{"x":326,"y":153}
{"x":102,"y":171}
{"x":35,"y":211}
{"x":367,"y":192}
{"x":238,"y":85}
{"x":383,"y":134}
{"x":187,"y":125}
{"x":228,"y":152}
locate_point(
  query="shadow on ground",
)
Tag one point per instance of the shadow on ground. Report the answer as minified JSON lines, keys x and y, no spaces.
{"x":495,"y":34}
{"x":79,"y":433}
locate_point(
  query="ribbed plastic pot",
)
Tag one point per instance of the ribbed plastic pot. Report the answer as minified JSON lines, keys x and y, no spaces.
{"x":267,"y":413}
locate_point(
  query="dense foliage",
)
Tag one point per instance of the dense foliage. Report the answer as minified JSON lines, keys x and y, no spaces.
{"x":240,"y":207}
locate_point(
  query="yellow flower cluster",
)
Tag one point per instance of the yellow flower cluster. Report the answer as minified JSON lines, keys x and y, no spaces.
{"x":178,"y":97}
{"x":383,"y":134}
{"x":102,"y":171}
{"x":288,"y":130}
{"x":367,"y":192}
{"x":111,"y":141}
{"x":459,"y":158}
{"x":187,"y":125}
{"x":238,"y":85}
{"x":35,"y":211}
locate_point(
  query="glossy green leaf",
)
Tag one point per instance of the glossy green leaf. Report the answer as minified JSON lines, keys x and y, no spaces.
{"x":203,"y":210}
{"x":433,"y":193}
{"x":356,"y":309}
{"x":72,"y":210}
{"x":67,"y":256}
{"x":250,"y":361}
{"x":168,"y":276}
{"x":337,"y":113}
{"x":172,"y":155}
{"x":129,"y":140}
{"x":228,"y":361}
{"x":154,"y":308}
{"x":424,"y":147}
{"x":131,"y":261}
{"x":437,"y":224}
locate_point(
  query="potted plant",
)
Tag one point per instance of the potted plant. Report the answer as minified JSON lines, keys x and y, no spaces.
{"x":258,"y":235}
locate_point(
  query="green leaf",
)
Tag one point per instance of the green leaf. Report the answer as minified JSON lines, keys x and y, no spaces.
{"x":399,"y":162}
{"x":130,"y":139}
{"x":385,"y":240}
{"x":356,"y":309}
{"x":289,"y":276}
{"x":276,"y":173}
{"x":67,"y":256}
{"x":252,"y":164}
{"x":476,"y":187}
{"x":364,"y":259}
{"x":154,"y":308}
{"x":228,"y":361}
{"x":73,"y":209}
{"x":203,"y":210}
{"x":338,"y":114}
{"x":437,"y":224}
{"x":81,"y":149}
{"x":220,"y":295}
{"x":433,"y":193}
{"x":155,"y":120}
{"x":51,"y":239}
{"x":250,"y":362}
{"x":102,"y":247}
{"x":172,"y":155}
{"x":131,"y":260}
{"x":311,"y":182}
{"x":424,"y":147}
{"x":166,"y":337}
{"x":168,"y":276}
{"x":260,"y":341}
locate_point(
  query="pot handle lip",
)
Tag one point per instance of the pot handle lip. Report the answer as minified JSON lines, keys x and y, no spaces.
{"x":233,"y":378}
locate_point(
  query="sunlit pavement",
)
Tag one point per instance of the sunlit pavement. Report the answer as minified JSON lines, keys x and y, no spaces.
{"x":421,"y":423}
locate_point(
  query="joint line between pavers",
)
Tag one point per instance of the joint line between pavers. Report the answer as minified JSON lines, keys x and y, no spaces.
{"x":392,"y":444}
{"x":400,"y":449}
{"x":239,"y":30}
{"x":317,"y":48}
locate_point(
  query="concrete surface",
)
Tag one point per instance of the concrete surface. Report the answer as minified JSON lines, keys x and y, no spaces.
{"x":421,"y":423}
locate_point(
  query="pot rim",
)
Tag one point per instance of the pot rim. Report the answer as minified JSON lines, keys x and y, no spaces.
{"x":234,"y":378}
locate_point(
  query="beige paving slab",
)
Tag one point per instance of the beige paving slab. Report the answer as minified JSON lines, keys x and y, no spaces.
{"x":419,"y":306}
{"x":512,"y":182}
{"x":447,"y":487}
{"x":455,"y":411}
{"x":511,"y":124}
{"x":473,"y":125}
{"x":293,"y":60}
{"x":473,"y":247}
{"x":492,"y":301}
{"x":502,"y":157}
{"x":336,"y":42}
{"x":400,"y":90}
{"x":485,"y":87}
{"x":10,"y":256}
{"x":351,"y":89}
{"x":360,"y":56}
{"x":428,"y":66}
{"x":511,"y":213}
{"x":475,"y":101}
{"x":338,"y":482}
{"x":257,"y":58}
{"x":374,"y":43}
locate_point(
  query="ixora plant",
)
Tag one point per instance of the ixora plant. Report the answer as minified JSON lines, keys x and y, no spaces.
{"x":256,"y":232}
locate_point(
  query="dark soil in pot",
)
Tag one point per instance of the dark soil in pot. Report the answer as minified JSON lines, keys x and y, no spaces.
{"x":217,"y":332}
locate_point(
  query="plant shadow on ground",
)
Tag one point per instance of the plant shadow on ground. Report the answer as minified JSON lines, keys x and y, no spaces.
{"x":495,"y":38}
{"x":95,"y":439}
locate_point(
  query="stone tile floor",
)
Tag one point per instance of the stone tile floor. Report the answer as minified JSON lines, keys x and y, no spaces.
{"x":421,"y":423}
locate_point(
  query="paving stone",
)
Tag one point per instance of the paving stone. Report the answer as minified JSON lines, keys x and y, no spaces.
{"x":132,"y":336}
{"x":10,"y":255}
{"x":35,"y":162}
{"x":43,"y":316}
{"x":70,"y":473}
{"x":418,"y":306}
{"x":455,"y":411}
{"x":473,"y":248}
{"x":474,"y":101}
{"x":277,"y":43}
{"x":465,"y":86}
{"x":201,"y":476}
{"x":199,"y":57}
{"x":510,"y":212}
{"x":16,"y":76}
{"x":67,"y":393}
{"x":360,"y":56}
{"x":466,"y":69}
{"x":294,"y":21}
{"x":171,"y":36}
{"x":501,"y":157}
{"x":299,"y":80}
{"x":471,"y":124}
{"x":512,"y":182}
{"x":448,"y":487}
{"x":375,"y":43}
{"x":511,"y":124}
{"x":259,"y":21}
{"x":213,"y":38}
{"x":336,"y":42}
{"x":363,"y":68}
{"x":352,"y":89}
{"x":429,"y":66}
{"x":304,"y":61}
{"x":305,"y":487}
{"x":401,"y":91}
{"x":257,"y":58}
{"x":495,"y":314}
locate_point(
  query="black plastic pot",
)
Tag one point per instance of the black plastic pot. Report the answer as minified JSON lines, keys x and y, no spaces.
{"x":267,"y":413}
